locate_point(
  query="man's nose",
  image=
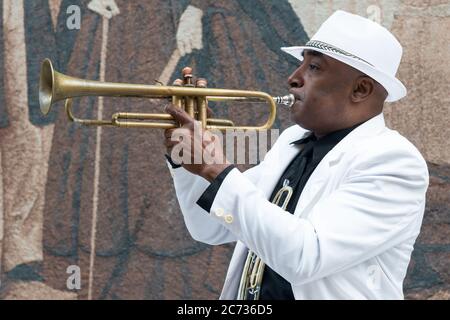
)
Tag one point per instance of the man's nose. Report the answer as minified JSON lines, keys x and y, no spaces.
{"x":296,"y":79}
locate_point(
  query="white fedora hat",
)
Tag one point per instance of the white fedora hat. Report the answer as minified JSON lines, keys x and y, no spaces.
{"x":361,"y":43}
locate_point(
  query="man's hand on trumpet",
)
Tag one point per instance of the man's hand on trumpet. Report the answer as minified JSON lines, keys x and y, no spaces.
{"x":196,"y":149}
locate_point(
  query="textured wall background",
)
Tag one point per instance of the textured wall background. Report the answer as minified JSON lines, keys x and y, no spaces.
{"x":106,"y":203}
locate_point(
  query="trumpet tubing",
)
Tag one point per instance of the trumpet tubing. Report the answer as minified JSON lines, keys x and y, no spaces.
{"x":193,"y":98}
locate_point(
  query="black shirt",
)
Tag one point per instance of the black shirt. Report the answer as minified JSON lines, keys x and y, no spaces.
{"x":275,"y":287}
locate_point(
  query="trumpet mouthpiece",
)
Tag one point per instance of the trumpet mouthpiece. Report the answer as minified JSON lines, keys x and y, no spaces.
{"x":287,"y":100}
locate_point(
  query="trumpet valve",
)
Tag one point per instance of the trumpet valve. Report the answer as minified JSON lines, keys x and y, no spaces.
{"x":187,"y":71}
{"x":201,"y":83}
{"x":187,"y":75}
{"x":177,"y":83}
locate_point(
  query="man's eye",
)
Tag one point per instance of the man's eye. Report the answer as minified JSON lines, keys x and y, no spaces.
{"x":313,"y":67}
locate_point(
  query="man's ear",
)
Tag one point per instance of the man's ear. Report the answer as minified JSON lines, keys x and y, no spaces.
{"x":363,"y":87}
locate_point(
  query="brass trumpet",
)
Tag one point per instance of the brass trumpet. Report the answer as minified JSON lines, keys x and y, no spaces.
{"x":193,"y":98}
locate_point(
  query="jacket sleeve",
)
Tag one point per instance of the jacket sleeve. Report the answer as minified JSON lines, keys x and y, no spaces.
{"x":378,"y":205}
{"x":201,"y":226}
{"x":189,"y":188}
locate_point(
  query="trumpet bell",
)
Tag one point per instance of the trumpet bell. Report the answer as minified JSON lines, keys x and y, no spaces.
{"x":46,"y":82}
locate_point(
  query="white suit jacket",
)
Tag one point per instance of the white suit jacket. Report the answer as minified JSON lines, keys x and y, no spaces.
{"x":354,"y":227}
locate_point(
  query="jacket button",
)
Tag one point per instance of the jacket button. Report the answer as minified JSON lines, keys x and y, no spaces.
{"x":228,"y":218}
{"x":219,"y":212}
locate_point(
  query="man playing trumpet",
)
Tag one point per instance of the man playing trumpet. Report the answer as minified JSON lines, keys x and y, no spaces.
{"x":334,"y":209}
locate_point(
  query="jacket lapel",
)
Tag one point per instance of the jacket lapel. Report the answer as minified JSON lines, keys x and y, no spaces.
{"x":317,"y":182}
{"x":278,"y":163}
